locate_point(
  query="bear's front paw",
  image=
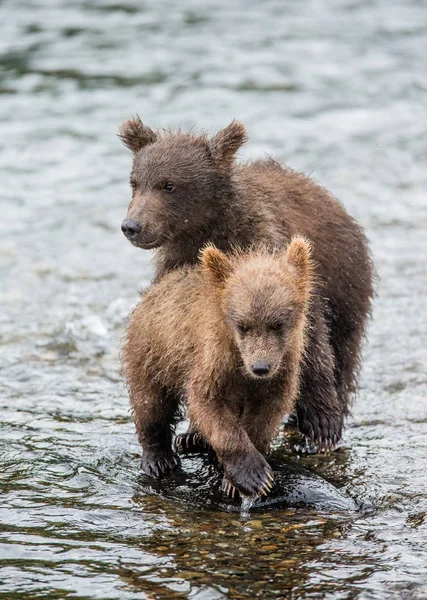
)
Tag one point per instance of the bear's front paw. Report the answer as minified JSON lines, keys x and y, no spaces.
{"x":250,"y":474}
{"x":157,"y":463}
{"x":321,"y":432}
{"x":191,"y":442}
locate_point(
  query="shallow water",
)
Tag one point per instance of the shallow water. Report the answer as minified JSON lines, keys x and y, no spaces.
{"x":336,"y":89}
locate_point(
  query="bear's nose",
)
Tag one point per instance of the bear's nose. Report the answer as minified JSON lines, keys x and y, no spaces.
{"x":131,"y":228}
{"x":260,"y":368}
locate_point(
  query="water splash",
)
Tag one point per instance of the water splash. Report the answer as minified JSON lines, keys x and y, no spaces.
{"x":246,"y":506}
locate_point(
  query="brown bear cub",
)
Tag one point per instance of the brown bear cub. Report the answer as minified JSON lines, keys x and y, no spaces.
{"x":188,"y":190}
{"x":227,"y":338}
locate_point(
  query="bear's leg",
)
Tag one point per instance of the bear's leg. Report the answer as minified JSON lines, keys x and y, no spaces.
{"x":320,"y":411}
{"x":245,"y":467}
{"x":347,"y":344}
{"x":155,"y":411}
{"x":191,"y":442}
{"x":261,"y":421}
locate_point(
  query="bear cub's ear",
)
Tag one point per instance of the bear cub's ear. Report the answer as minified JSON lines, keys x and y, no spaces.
{"x":135,"y":135}
{"x":298,"y":257}
{"x":216,"y":265}
{"x":224,"y":145}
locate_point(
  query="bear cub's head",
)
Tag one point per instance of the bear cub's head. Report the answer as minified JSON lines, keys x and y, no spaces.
{"x":263,"y":298}
{"x":175,"y":180}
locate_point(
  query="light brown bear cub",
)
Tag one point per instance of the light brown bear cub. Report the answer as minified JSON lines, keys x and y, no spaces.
{"x":227,"y":338}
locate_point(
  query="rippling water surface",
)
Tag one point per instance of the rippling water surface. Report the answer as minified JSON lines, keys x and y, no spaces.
{"x":336,"y":88}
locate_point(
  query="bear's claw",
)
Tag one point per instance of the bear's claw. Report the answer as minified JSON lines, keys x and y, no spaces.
{"x":190,"y":442}
{"x":250,"y":475}
{"x":158,"y":464}
{"x":228,"y":488}
{"x":317,"y":446}
{"x":233,"y":492}
{"x":321,"y":433}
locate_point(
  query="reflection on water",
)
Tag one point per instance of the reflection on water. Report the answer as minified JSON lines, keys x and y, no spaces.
{"x":336,"y":89}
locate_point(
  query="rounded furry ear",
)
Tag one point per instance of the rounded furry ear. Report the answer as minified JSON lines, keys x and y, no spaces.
{"x":135,"y":135}
{"x":224,"y":145}
{"x":298,"y":251}
{"x":216,"y":265}
{"x":298,"y":257}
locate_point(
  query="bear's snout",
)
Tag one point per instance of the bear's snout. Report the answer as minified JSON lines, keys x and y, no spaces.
{"x":131,"y":228}
{"x":260,"y":369}
{"x":141,"y":235}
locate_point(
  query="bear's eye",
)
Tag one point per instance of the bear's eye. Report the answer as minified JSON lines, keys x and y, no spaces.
{"x":133,"y":186}
{"x":243,"y":328}
{"x":276,"y":326}
{"x":169,"y":187}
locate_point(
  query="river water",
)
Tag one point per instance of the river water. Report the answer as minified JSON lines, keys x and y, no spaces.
{"x":335,"y":88}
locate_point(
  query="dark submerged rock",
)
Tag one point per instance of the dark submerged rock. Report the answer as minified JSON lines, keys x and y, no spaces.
{"x":198,"y":483}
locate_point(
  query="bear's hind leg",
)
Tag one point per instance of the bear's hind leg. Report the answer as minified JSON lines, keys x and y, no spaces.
{"x":320,"y":411}
{"x":347,"y":344}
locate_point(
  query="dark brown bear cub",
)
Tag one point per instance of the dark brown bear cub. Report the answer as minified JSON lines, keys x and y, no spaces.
{"x":227,"y":337}
{"x":188,"y":190}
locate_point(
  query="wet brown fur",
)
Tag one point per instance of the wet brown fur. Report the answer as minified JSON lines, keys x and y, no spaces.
{"x":185,"y":342}
{"x":226,"y":203}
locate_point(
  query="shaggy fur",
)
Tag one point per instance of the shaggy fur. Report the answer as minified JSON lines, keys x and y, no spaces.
{"x":188,"y":191}
{"x":197,"y":334}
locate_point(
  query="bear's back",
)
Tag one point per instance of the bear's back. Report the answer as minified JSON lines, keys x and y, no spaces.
{"x":163,"y":326}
